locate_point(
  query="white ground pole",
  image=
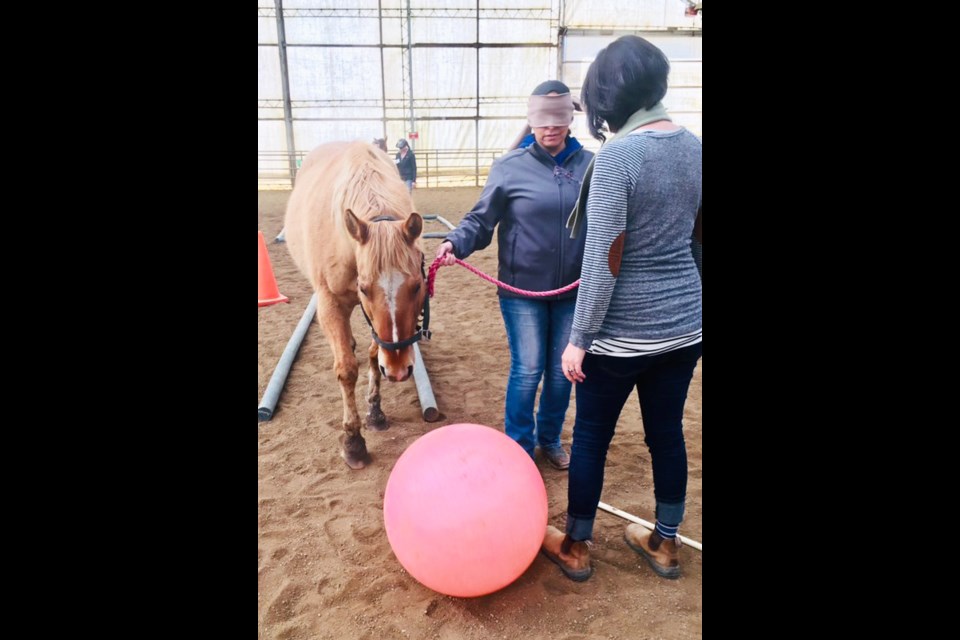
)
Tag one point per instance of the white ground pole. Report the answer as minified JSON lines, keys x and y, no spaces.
{"x":643,"y":523}
{"x":428,"y":404}
{"x":269,"y":401}
{"x":441,"y":220}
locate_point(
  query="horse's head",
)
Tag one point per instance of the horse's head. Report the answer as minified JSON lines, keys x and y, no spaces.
{"x":392,"y":286}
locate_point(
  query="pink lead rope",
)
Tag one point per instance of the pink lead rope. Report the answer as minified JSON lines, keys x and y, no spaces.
{"x":432,"y":276}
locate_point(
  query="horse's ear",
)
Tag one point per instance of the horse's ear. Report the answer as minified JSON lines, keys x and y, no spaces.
{"x":413,"y":227}
{"x":356,"y":227}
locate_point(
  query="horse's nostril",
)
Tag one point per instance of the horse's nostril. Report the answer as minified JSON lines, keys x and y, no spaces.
{"x":409,"y":371}
{"x":383,"y":370}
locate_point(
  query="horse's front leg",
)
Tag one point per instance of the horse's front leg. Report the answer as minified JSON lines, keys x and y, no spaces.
{"x":335,"y":320}
{"x":375,"y":418}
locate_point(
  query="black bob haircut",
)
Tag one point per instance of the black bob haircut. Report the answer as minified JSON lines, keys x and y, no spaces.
{"x":627,"y":75}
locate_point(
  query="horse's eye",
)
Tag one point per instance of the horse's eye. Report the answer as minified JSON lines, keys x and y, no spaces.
{"x":365,"y":292}
{"x":416,"y":289}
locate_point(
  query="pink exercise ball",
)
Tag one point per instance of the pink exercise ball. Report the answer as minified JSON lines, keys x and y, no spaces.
{"x":465,"y":510}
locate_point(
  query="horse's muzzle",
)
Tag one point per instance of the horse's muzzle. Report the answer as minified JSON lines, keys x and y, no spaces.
{"x":397,"y":378}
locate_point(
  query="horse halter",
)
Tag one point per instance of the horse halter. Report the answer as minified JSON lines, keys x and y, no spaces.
{"x":421,"y":332}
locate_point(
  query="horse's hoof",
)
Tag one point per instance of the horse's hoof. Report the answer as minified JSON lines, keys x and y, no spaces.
{"x":354,"y":451}
{"x":355,"y":463}
{"x":376,"y":421}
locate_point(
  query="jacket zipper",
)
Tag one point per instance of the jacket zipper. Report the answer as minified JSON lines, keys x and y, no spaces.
{"x":563,"y":224}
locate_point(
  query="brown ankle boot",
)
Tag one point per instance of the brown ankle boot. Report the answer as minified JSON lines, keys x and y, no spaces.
{"x":663,"y":555}
{"x":572,"y":557}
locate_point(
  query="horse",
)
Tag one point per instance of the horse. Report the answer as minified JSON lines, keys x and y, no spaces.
{"x":352,"y":231}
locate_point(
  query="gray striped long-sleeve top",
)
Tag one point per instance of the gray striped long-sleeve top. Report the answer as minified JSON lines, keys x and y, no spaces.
{"x":648,"y":186}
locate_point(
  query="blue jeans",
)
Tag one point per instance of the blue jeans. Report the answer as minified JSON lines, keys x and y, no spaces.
{"x":661,"y":382}
{"x":538,"y":332}
{"x":409,"y":184}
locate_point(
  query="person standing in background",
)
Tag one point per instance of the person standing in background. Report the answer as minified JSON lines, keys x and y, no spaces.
{"x":406,"y":164}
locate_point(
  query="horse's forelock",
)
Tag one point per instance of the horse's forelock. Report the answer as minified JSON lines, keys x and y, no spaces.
{"x":387,"y":248}
{"x":368,"y":184}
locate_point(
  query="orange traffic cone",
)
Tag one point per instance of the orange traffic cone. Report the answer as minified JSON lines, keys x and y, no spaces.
{"x":268,"y":291}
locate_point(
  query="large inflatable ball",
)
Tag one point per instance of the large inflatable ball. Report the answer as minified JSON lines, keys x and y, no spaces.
{"x":465,"y":510}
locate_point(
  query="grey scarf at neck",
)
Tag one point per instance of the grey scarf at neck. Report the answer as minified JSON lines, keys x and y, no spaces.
{"x":638,"y":119}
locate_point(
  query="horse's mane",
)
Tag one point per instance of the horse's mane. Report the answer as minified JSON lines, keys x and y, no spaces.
{"x":368,"y":184}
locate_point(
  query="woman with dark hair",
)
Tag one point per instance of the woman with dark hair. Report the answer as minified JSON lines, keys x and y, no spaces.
{"x":530,"y":192}
{"x":638,"y":318}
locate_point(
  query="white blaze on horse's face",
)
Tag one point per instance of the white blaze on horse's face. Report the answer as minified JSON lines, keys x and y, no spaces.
{"x":394,"y":301}
{"x":392,"y":290}
{"x":390,"y":283}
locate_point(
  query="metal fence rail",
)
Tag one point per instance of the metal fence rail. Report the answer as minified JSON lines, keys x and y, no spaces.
{"x":435,"y":167}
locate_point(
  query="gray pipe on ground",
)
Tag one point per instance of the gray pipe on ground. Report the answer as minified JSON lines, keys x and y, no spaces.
{"x":428,"y":404}
{"x":269,"y":401}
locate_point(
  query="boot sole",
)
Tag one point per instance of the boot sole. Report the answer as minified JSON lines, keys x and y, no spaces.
{"x":671,"y":573}
{"x":577,"y":576}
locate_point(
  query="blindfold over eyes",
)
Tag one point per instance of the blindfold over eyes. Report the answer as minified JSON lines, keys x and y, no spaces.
{"x":550,"y":111}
